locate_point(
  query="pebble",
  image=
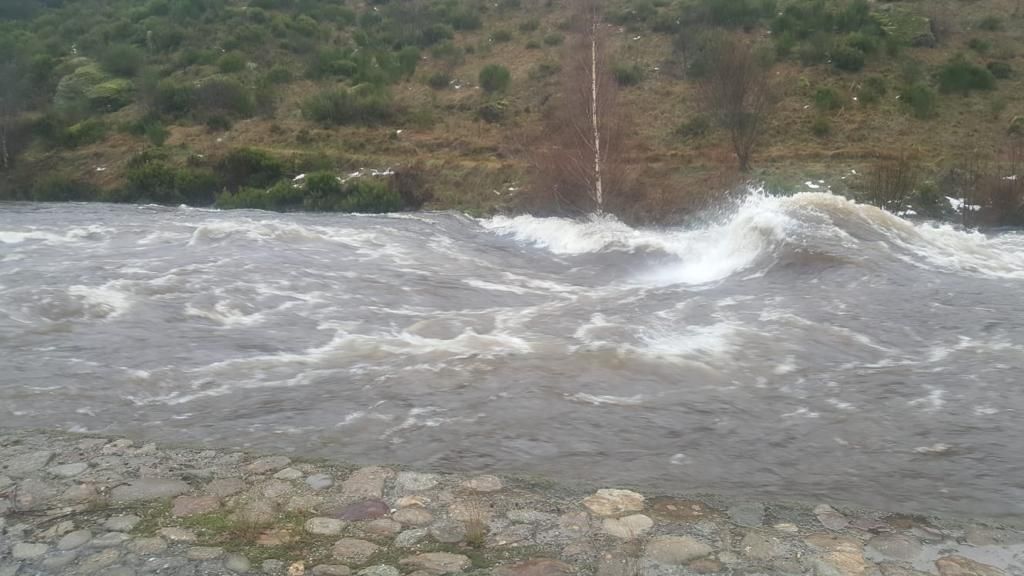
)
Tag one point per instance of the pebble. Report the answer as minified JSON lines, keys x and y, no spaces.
{"x":237,"y":563}
{"x":319,"y":481}
{"x":33,"y":494}
{"x":74,"y":539}
{"x":354,"y":551}
{"x":68,"y":470}
{"x":148,"y":489}
{"x":384,"y":527}
{"x":410,"y":538}
{"x":675,"y":550}
{"x":627,"y":527}
{"x":324,"y":526}
{"x":204,"y":553}
{"x":614,"y":502}
{"x":268,"y":464}
{"x":407,"y":501}
{"x":415,"y":481}
{"x":366,"y":483}
{"x":448,"y":532}
{"x":109,"y":540}
{"x":535,"y":567}
{"x":485,"y":483}
{"x":830,"y":518}
{"x":437,"y":562}
{"x":178,"y":534}
{"x":748,"y":514}
{"x":122,"y":523}
{"x":59,"y":559}
{"x":365,"y":510}
{"x":272,"y":566}
{"x":960,"y":566}
{"x":413,"y":516}
{"x":225,"y":487}
{"x":531,"y":517}
{"x":758,"y":546}
{"x":331,"y":570}
{"x":99,"y":561}
{"x":25,"y":464}
{"x":28,"y":550}
{"x":146,"y":546}
{"x":185,"y":506}
{"x":289,"y":474}
{"x":379,"y":570}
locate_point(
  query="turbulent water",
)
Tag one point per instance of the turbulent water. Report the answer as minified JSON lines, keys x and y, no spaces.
{"x":802,"y":347}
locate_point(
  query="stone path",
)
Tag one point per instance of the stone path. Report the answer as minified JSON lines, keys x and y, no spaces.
{"x":83,"y":505}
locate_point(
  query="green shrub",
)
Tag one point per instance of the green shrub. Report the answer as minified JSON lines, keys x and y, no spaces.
{"x":827,"y":100}
{"x":872,"y":90}
{"x":554,"y":39}
{"x":531,"y":45}
{"x":408,"y":58}
{"x":280,"y":75}
{"x":88,"y":131}
{"x":218,"y":123}
{"x":959,"y":75}
{"x":501,"y":36}
{"x":495,"y":78}
{"x":543,"y":70}
{"x":122,"y":60}
{"x":172,"y":98}
{"x":439,"y":80}
{"x":359,"y":105}
{"x":847,"y":58}
{"x":436,"y":33}
{"x":369,"y":195}
{"x":223,"y":96}
{"x":72,"y":95}
{"x":529,"y":25}
{"x":991,"y":23}
{"x":282,"y":197}
{"x":1000,"y":70}
{"x":628,"y":74}
{"x":231,"y":62}
{"x":493,"y":111}
{"x":863,"y":42}
{"x":978,"y":45}
{"x":821,"y":126}
{"x":111,"y":95}
{"x":322,"y":190}
{"x":155,"y":132}
{"x":62,"y":188}
{"x":249,"y":167}
{"x":465,"y":20}
{"x":151,"y":178}
{"x":921,"y":100}
{"x":694,"y":128}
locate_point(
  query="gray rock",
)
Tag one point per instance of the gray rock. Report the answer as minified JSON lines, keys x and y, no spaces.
{"x":109,"y":540}
{"x":365,"y":510}
{"x":437,"y":562}
{"x":122,"y":523}
{"x":33,"y":494}
{"x":627,"y":527}
{"x":149,"y":489}
{"x":74,"y":539}
{"x":57,"y":530}
{"x":324,"y":526}
{"x":260,"y":511}
{"x":676,"y":550}
{"x":117,"y":447}
{"x":410,"y":538}
{"x":268,"y":464}
{"x":5,"y":482}
{"x":366,"y":483}
{"x":749,"y":514}
{"x":379,"y":570}
{"x":353,"y":551}
{"x":531,"y":517}
{"x":894,"y":547}
{"x":448,"y":532}
{"x":415,"y":481}
{"x":512,"y":536}
{"x":830,"y":518}
{"x":383,"y":527}
{"x":225,"y":487}
{"x":120,"y":571}
{"x":485,"y":483}
{"x":237,"y":563}
{"x":758,"y":546}
{"x":319,"y":481}
{"x":9,"y":569}
{"x":147,"y":546}
{"x":59,"y":559}
{"x":80,"y":493}
{"x":68,"y":470}
{"x":28,"y":550}
{"x":272,"y":567}
{"x":185,"y":506}
{"x":99,"y":561}
{"x":289,"y":474}
{"x":413,"y":516}
{"x":204,"y":553}
{"x":330,"y":570}
{"x":614,"y":502}
{"x":535,"y":567}
{"x":25,"y":464}
{"x":178,"y":534}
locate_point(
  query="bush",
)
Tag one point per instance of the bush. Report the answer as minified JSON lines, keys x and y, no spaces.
{"x":921,"y":99}
{"x":493,"y":112}
{"x":439,"y":80}
{"x":359,"y":105}
{"x":436,"y":33}
{"x":628,"y":74}
{"x":872,"y":90}
{"x":62,"y":188}
{"x":863,"y":42}
{"x":111,"y":95}
{"x":495,"y":78}
{"x":978,"y":45}
{"x":1000,"y":70}
{"x":323,"y":190}
{"x":529,"y":25}
{"x":155,"y":132}
{"x":88,"y":131}
{"x":249,"y":167}
{"x":231,"y":62}
{"x":172,"y":98}
{"x":959,"y":75}
{"x":531,"y":45}
{"x":282,"y":197}
{"x":991,"y":23}
{"x":847,"y":58}
{"x":554,"y":39}
{"x":122,"y":60}
{"x":500,"y":36}
{"x":543,"y":70}
{"x":821,"y":127}
{"x":367,"y":195}
{"x":694,"y":128}
{"x":827,"y":100}
{"x":223,"y":96}
{"x":280,"y":75}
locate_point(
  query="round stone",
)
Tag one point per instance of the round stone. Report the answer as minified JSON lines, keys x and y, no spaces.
{"x":379,"y":570}
{"x":330,"y":570}
{"x":324,"y":526}
{"x":614,"y":502}
{"x":354,"y":551}
{"x":627,"y":527}
{"x":485,"y":483}
{"x":68,"y":470}
{"x":676,"y":550}
{"x":74,"y":540}
{"x":415,"y":481}
{"x":204,"y":553}
{"x":413,"y":516}
{"x":237,"y":563}
{"x":185,"y":506}
{"x":319,"y":481}
{"x":894,"y":547}
{"x":109,"y":540}
{"x":28,"y":550}
{"x":365,"y":510}
{"x":288,"y":474}
{"x":448,"y":532}
{"x":122,"y":523}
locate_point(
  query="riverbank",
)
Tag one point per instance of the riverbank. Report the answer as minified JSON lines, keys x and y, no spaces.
{"x":74,"y":504}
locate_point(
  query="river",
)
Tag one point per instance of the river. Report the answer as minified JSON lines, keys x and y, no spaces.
{"x":799,"y":347}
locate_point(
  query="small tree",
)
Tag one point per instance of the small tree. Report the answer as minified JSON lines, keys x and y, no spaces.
{"x":10,"y":105}
{"x":738,"y":95}
{"x":495,"y":78}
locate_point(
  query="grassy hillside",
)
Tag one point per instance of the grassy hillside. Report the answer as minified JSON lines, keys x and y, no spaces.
{"x":200,"y":101}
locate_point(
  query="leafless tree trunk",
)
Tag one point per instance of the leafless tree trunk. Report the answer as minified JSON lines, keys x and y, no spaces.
{"x":575,"y":165}
{"x":737,"y":92}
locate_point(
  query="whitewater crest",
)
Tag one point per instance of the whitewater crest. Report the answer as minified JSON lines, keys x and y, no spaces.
{"x":765,"y":230}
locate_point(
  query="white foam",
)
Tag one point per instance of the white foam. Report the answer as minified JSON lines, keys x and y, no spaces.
{"x":107,"y":300}
{"x":607,"y":399}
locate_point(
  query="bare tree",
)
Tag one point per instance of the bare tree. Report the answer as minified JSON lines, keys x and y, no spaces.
{"x":575,"y":158}
{"x":737,"y":92}
{"x":10,"y":105}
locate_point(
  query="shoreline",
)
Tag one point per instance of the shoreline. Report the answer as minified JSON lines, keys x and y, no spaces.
{"x":87,"y":504}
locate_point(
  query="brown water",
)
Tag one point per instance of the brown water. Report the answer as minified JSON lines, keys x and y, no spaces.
{"x":802,"y":347}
